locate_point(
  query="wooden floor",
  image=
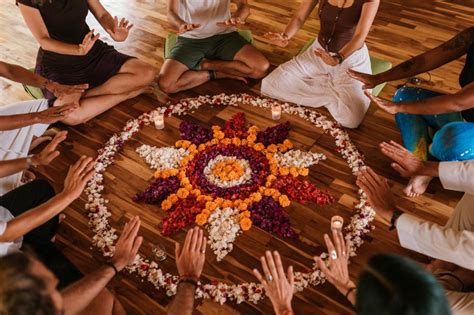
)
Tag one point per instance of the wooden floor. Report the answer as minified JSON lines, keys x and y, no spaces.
{"x":403,"y":28}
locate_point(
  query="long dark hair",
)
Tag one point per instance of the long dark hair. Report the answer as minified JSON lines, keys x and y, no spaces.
{"x":394,"y":285}
{"x":22,"y":293}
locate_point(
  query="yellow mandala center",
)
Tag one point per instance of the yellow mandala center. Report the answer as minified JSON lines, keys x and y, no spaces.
{"x":228,"y":170}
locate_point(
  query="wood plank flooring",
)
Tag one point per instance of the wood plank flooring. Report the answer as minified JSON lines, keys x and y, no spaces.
{"x":403,"y":28}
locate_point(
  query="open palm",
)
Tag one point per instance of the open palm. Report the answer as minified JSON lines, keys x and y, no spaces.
{"x":121,"y":29}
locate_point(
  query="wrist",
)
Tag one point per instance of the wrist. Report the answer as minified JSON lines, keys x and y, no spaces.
{"x":394,"y":219}
{"x":66,"y":196}
{"x":284,"y":310}
{"x":33,"y":161}
{"x":430,"y":168}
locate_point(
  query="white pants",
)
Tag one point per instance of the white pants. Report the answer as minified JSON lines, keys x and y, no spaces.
{"x":307,"y":80}
{"x":15,"y":144}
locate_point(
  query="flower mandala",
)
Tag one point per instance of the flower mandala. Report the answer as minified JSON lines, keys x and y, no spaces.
{"x":221,"y":292}
{"x":230,"y":173}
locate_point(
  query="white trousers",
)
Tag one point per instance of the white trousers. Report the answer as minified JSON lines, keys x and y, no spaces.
{"x":15,"y":144}
{"x":307,"y":80}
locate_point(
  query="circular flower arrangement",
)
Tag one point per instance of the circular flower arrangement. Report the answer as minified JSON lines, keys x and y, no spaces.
{"x":230,"y":177}
{"x":205,"y":179}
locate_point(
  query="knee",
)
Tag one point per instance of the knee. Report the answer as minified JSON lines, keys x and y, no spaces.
{"x":260,"y":69}
{"x":167,"y":85}
{"x":350,"y":116}
{"x":453,"y":142}
{"x":74,"y":119}
{"x":147,"y":74}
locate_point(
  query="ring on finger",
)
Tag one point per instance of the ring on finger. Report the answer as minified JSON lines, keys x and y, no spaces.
{"x":269,"y":278}
{"x":333,"y":255}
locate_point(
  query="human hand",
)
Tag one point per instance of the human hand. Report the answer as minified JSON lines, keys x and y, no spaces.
{"x":233,"y":21}
{"x":337,"y":271}
{"x":120,"y":31}
{"x":87,"y":43}
{"x":278,"y":286}
{"x":368,"y":80}
{"x":78,"y":176}
{"x":190,"y":258}
{"x":378,"y":193}
{"x":55,"y":113}
{"x":186,"y":27}
{"x":60,"y":90}
{"x":388,"y":106}
{"x":127,"y":245}
{"x":278,"y":39}
{"x":405,"y":162}
{"x":49,"y":153}
{"x":326,"y":57}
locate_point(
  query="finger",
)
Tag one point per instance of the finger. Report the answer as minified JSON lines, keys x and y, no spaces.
{"x":194,"y":239}
{"x":95,"y":38}
{"x":136,"y":245}
{"x":342,"y":241}
{"x":129,"y":27}
{"x":122,"y":21}
{"x":177,"y":251}
{"x":375,"y":177}
{"x":260,"y":278}
{"x":83,"y":165}
{"x":329,"y":243}
{"x":271,"y":265}
{"x":198,"y":244}
{"x":322,"y":266}
{"x":337,"y":242}
{"x":203,"y":245}
{"x":398,"y":145}
{"x":278,"y":265}
{"x":366,"y":180}
{"x":125,"y":24}
{"x":400,"y":170}
{"x":116,"y":24}
{"x":81,"y":87}
{"x":133,"y":229}
{"x":58,"y":138}
{"x":87,"y":177}
{"x":348,"y":249}
{"x":371,"y":96}
{"x":187,"y":240}
{"x":73,"y":168}
{"x":291,"y":276}
{"x":266,"y":269}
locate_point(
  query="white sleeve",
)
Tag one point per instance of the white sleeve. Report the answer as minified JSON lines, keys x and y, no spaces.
{"x":457,"y":176}
{"x":3,"y":226}
{"x":436,"y":241}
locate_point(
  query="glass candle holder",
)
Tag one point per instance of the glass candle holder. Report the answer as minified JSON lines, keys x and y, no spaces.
{"x":159,"y":251}
{"x":276,"y":112}
{"x":337,"y":223}
{"x":159,"y":120}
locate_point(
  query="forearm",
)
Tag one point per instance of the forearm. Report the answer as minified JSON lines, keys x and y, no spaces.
{"x":293,"y":27}
{"x":21,"y":75}
{"x":352,"y":46}
{"x":107,"y":22}
{"x":432,"y":59}
{"x":28,"y":221}
{"x":432,"y":106}
{"x":10,"y":122}
{"x":80,"y":294}
{"x":430,"y":168}
{"x":183,"y":302}
{"x":58,"y":47}
{"x":10,"y":167}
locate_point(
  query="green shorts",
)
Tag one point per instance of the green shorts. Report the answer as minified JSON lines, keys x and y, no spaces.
{"x":190,"y":51}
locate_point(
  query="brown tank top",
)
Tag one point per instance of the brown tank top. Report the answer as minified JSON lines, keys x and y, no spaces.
{"x":338,"y":25}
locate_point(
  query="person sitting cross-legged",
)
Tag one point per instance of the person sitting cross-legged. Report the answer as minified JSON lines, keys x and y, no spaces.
{"x":452,"y":243}
{"x":208,"y":46}
{"x":28,"y":287}
{"x":387,"y":285}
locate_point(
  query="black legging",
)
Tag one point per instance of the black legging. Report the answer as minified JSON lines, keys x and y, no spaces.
{"x":27,"y":197}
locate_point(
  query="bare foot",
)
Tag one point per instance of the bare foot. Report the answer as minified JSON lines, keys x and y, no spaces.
{"x":223,"y":75}
{"x":417,"y":185}
{"x":28,"y":176}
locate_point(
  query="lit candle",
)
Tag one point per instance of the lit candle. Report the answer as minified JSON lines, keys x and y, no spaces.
{"x":159,"y":120}
{"x":337,"y":222}
{"x":276,"y":112}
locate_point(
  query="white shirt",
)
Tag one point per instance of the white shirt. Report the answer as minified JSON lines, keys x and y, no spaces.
{"x":206,"y":13}
{"x":7,"y":247}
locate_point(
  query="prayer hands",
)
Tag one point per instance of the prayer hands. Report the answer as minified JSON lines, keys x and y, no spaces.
{"x":60,"y":90}
{"x":388,"y":106}
{"x":232,"y":22}
{"x":326,"y":57}
{"x":49,"y":153}
{"x":190,"y":258}
{"x":55,"y":113}
{"x":405,"y":162}
{"x":378,"y":193}
{"x":183,"y":28}
{"x":278,"y":286}
{"x":279,"y":39}
{"x":336,"y":270}
{"x":128,"y":244}
{"x":120,"y":31}
{"x":78,"y":176}
{"x":87,"y":43}
{"x":368,"y":80}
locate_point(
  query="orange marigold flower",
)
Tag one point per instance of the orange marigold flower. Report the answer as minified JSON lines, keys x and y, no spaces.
{"x":287,"y":143}
{"x":227,"y":204}
{"x":166,"y":205}
{"x":245,"y":214}
{"x":243,"y":142}
{"x":268,"y":192}
{"x":219,"y":135}
{"x":182,"y":193}
{"x":219,"y":201}
{"x":303,"y":171}
{"x":272,"y":148}
{"x":201,"y":147}
{"x":226,"y":141}
{"x":259,"y":147}
{"x":206,"y":212}
{"x":294,"y":172}
{"x":189,"y":187}
{"x":284,"y":171}
{"x":242,"y":206}
{"x":251,"y":139}
{"x":196,"y":192}
{"x":245,"y":224}
{"x":173,"y":198}
{"x":201,"y":198}
{"x":284,"y":201}
{"x":201,"y":219}
{"x":211,"y":206}
{"x":253,"y":130}
{"x":256,"y":196}
{"x":214,"y":141}
{"x":157,"y":174}
{"x":236,"y":141}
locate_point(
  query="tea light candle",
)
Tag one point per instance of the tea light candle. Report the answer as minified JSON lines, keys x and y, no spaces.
{"x":337,"y":222}
{"x":159,"y":120}
{"x":276,"y":112}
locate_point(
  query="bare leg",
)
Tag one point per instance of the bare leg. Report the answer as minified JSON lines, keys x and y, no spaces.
{"x":90,"y":107}
{"x":133,"y":74}
{"x":105,"y":304}
{"x":417,"y":185}
{"x":248,"y":62}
